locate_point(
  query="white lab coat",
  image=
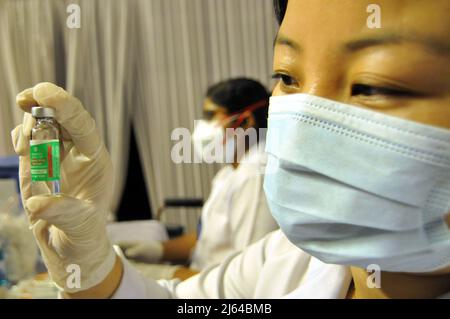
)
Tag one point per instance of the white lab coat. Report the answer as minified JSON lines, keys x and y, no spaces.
{"x":236,"y":213}
{"x":270,"y":268}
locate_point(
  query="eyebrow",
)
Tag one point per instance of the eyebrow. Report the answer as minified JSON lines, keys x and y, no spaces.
{"x":394,"y":38}
{"x":283,"y":40}
{"x":434,"y":45}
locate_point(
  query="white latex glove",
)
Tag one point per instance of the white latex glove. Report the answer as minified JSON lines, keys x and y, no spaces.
{"x":71,"y":228}
{"x":148,"y":252}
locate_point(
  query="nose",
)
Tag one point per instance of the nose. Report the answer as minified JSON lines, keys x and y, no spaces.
{"x":323,"y":73}
{"x":324,"y":83}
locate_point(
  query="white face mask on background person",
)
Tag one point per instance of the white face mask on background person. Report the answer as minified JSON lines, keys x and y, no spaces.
{"x":205,"y":133}
{"x":215,"y":144}
{"x":356,"y":187}
{"x":209,"y":144}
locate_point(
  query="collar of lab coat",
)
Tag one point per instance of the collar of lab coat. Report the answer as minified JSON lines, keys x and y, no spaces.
{"x":323,"y":281}
{"x":327,"y":281}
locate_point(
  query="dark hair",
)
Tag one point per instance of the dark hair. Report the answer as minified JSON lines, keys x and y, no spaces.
{"x":237,"y":94}
{"x":280,"y":7}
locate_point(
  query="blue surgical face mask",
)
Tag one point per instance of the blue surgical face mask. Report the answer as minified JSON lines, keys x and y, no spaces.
{"x":356,"y":187}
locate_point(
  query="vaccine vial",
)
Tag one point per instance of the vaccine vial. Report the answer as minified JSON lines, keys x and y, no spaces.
{"x":45,"y":152}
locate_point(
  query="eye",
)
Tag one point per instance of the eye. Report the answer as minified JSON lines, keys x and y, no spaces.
{"x":208,"y":115}
{"x":285,"y":79}
{"x":369,"y":90}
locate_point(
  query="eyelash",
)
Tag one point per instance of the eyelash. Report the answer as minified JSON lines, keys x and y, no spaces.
{"x":369,"y":90}
{"x":356,"y":90}
{"x":284,"y":78}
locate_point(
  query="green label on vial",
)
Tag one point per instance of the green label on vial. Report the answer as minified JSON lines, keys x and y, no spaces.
{"x":44,"y":160}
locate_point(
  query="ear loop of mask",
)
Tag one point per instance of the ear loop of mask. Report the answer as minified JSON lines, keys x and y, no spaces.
{"x":241,"y":115}
{"x":245,"y":113}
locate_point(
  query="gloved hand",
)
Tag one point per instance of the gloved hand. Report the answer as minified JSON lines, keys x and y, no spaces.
{"x":148,"y":252}
{"x":70,"y":229}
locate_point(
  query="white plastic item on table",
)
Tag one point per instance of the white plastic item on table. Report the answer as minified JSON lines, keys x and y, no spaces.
{"x":20,"y":250}
{"x":148,"y":231}
{"x":35,"y":288}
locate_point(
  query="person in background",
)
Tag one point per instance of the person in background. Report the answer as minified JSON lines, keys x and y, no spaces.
{"x":236,"y":213}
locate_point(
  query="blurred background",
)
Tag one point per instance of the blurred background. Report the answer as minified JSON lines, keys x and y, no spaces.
{"x":141,"y":68}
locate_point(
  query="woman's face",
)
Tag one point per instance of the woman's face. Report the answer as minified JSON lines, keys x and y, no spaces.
{"x":217,"y":113}
{"x":325,"y":48}
{"x":213,"y":112}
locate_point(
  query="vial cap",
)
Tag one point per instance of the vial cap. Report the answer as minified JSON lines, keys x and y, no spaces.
{"x":42,"y":111}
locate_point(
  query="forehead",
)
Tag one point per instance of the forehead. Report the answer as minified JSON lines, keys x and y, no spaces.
{"x":335,"y":21}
